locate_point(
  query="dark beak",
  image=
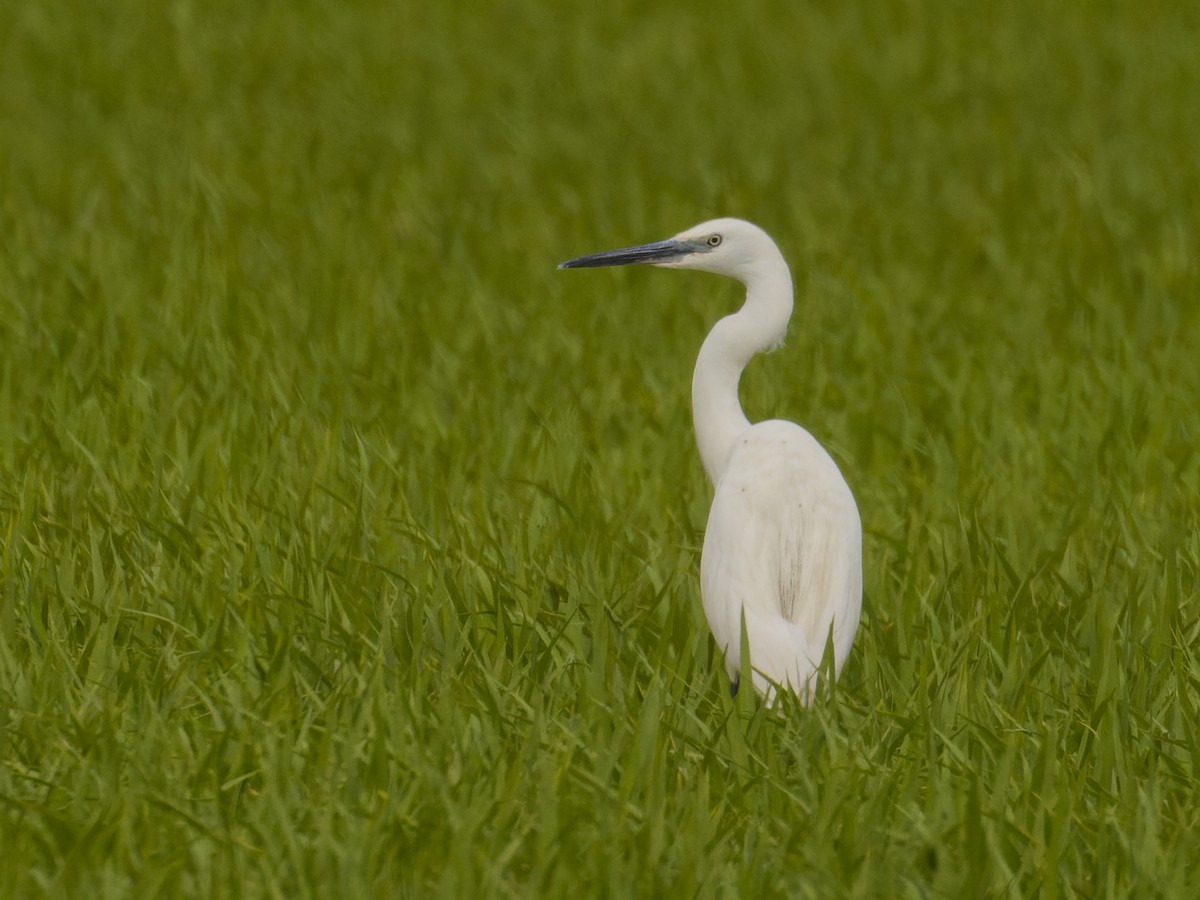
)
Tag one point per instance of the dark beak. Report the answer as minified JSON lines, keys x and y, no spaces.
{"x":643,"y":253}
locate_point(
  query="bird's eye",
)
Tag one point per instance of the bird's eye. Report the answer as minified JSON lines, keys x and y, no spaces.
{"x":714,"y":240}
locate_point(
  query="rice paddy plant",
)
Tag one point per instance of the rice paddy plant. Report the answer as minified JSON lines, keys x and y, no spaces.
{"x":349,"y":549}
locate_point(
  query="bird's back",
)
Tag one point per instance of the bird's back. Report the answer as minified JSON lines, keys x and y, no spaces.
{"x":783,"y":547}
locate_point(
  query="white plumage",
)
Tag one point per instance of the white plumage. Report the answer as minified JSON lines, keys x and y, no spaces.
{"x":783,"y":547}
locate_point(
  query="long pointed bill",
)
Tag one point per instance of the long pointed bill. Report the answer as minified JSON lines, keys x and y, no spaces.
{"x":643,"y":253}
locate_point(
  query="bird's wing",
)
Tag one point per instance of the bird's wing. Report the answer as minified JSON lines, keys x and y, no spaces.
{"x":783,"y":548}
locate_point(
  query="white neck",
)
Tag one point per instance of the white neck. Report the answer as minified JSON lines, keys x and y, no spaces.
{"x":760,"y":324}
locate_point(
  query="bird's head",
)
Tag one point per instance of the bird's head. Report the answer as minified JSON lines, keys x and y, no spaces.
{"x":730,"y":247}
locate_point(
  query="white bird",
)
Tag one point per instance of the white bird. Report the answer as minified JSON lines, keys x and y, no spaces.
{"x":783,"y":547}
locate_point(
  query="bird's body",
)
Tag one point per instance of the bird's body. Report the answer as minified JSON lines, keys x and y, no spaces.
{"x":783,"y":547}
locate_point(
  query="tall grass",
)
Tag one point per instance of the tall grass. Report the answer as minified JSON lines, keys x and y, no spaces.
{"x":349,"y":549}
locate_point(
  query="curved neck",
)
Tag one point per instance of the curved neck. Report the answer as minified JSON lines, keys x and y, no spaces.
{"x":759,"y":325}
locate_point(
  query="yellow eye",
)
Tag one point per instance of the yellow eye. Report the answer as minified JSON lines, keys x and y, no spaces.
{"x":714,"y":240}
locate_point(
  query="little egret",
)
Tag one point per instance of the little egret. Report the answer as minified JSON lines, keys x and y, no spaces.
{"x":783,"y":548}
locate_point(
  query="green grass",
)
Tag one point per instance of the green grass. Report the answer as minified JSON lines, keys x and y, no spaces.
{"x":348,"y":549}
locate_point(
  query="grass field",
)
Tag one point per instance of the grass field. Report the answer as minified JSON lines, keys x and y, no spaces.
{"x":348,"y":549}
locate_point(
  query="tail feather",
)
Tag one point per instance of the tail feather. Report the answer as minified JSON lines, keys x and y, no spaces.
{"x":780,"y":653}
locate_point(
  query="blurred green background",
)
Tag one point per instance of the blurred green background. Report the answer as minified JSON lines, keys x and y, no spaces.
{"x":349,"y":549}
